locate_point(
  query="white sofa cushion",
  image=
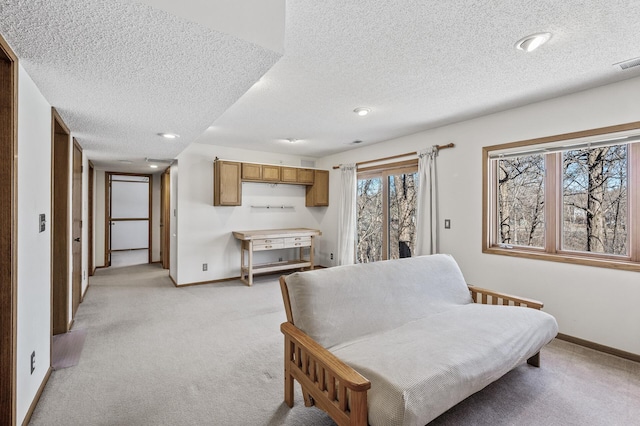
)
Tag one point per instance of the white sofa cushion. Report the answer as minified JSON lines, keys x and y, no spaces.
{"x":340,"y":304}
{"x":423,"y":368}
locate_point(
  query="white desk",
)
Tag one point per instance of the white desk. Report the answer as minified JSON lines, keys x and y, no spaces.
{"x":274,"y":239}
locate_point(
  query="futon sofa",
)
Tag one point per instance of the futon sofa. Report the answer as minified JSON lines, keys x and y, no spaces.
{"x":399,"y":342}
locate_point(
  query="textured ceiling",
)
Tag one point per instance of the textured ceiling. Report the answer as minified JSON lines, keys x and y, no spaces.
{"x":119,"y":72}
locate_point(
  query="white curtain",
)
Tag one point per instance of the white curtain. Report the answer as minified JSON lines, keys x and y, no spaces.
{"x":347,"y":214}
{"x":427,"y":236}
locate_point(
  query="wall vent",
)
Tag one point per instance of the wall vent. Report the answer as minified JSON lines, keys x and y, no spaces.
{"x":630,"y":63}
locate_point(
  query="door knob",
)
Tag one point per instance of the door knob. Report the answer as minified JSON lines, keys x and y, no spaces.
{"x":77,"y":240}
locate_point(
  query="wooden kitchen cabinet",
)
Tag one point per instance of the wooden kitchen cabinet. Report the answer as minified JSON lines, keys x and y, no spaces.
{"x":305,"y":176}
{"x":289,"y":174}
{"x":251,"y":171}
{"x":318,"y":193}
{"x":229,"y":175}
{"x":270,"y":173}
{"x":227,"y":187}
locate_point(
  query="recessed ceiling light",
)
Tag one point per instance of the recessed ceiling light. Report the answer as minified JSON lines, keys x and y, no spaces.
{"x":362,"y":111}
{"x":125,"y":161}
{"x":533,"y":41}
{"x":169,"y":135}
{"x":292,"y":140}
{"x":153,"y":166}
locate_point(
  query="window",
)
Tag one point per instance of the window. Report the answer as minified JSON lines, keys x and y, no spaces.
{"x":386,"y":212}
{"x":568,"y":198}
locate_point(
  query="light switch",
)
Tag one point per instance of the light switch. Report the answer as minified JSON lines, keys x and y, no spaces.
{"x":447,"y":224}
{"x":43,"y":222}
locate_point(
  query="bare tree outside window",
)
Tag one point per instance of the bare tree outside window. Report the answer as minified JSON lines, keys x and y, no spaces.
{"x":369,"y":220}
{"x":521,"y":200}
{"x":402,"y":215}
{"x":595,"y":217}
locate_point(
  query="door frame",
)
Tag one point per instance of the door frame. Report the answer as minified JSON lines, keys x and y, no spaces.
{"x":107,"y":213}
{"x":76,"y":228}
{"x":8,"y":233}
{"x":90,"y":196}
{"x":165,"y":217}
{"x":60,"y":232}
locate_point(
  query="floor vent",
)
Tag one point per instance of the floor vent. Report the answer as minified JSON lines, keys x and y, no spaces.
{"x":624,"y":65}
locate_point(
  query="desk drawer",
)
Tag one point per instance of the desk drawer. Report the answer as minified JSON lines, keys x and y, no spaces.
{"x":268,"y":244}
{"x":297,"y":242}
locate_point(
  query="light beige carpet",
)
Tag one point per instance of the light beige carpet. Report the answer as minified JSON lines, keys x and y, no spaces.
{"x":212,"y":355}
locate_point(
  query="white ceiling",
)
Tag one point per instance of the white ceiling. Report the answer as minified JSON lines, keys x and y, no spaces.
{"x":120,"y":72}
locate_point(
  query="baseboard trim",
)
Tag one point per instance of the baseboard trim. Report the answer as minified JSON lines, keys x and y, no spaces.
{"x":34,"y":403}
{"x":224,"y":280}
{"x":598,"y":347}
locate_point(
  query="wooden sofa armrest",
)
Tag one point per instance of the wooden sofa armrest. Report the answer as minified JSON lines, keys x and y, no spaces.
{"x":326,"y":381}
{"x":490,"y":297}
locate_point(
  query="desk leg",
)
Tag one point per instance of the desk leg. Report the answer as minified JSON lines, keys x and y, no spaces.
{"x":250,"y":266}
{"x":311,"y":253}
{"x":242,"y":246}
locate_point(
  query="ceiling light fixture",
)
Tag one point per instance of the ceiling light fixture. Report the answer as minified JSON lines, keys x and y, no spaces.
{"x":532,"y":42}
{"x":169,"y":135}
{"x":292,"y":140}
{"x":362,"y":111}
{"x":153,"y":166}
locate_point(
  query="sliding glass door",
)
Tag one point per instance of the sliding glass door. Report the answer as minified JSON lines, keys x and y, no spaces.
{"x":386,"y":212}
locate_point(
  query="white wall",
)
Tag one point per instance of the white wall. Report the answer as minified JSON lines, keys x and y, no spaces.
{"x":205,"y":231}
{"x":34,"y":257}
{"x":591,"y":303}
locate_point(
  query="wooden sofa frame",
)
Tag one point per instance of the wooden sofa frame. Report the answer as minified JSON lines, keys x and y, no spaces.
{"x":333,"y":386}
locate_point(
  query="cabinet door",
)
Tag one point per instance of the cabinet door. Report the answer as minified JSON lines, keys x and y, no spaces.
{"x":318,"y":193}
{"x":251,"y":171}
{"x":289,"y":174}
{"x":305,"y":176}
{"x":270,"y":173}
{"x":227,"y":188}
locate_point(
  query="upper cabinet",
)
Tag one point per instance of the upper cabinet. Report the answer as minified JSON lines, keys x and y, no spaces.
{"x":318,"y":193}
{"x":270,"y":173}
{"x":305,"y":176}
{"x":227,"y":189}
{"x":251,"y":171}
{"x":229,"y":175}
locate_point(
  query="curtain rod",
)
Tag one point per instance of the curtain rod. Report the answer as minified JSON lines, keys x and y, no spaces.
{"x":393,"y":157}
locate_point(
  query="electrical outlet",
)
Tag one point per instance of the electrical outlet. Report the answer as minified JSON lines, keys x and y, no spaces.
{"x":331,"y":256}
{"x":33,"y":361}
{"x":447,"y":224}
{"x":205,"y":267}
{"x":279,"y":259}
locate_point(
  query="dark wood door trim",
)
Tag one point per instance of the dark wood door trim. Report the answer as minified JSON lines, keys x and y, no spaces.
{"x":165,"y":218}
{"x":76,"y":227}
{"x":90,"y":193}
{"x":107,"y":213}
{"x":8,"y":231}
{"x":60,"y":251}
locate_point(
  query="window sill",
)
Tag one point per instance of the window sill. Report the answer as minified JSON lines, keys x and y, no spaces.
{"x":625,"y":265}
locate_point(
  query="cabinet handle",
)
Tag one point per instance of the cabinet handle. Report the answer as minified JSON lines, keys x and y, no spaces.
{"x":267,"y":241}
{"x":267,"y":247}
{"x":297,"y":239}
{"x":297,"y":244}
